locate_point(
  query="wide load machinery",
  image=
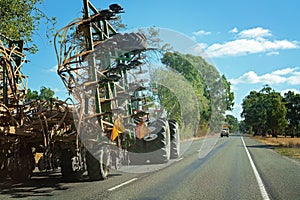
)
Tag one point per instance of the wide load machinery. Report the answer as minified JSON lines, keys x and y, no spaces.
{"x":106,"y":122}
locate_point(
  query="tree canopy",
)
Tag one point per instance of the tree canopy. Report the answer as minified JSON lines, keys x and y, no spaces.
{"x":264,"y":112}
{"x":44,"y":94}
{"x":233,"y":123}
{"x":211,"y":89}
{"x":292,"y":103}
{"x":20,"y":19}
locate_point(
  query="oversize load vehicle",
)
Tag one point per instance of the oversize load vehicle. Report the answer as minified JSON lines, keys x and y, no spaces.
{"x":105,"y":123}
{"x":225,"y":131}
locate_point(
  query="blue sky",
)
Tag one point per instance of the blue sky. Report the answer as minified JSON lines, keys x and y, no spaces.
{"x":252,"y":43}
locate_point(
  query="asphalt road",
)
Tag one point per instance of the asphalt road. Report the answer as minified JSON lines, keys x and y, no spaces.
{"x":214,"y":168}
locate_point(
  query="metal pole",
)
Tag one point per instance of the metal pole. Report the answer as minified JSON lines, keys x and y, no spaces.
{"x":91,"y":61}
{"x":5,"y":98}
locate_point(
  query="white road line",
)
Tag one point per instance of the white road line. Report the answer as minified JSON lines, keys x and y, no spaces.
{"x":262,"y":188}
{"x":179,"y":159}
{"x":122,"y":184}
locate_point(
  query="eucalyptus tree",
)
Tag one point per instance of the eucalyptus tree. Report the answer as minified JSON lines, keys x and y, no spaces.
{"x":21,"y":19}
{"x":212,"y":89}
{"x":233,"y":123}
{"x":292,"y":104}
{"x":44,"y":94}
{"x":264,"y":112}
{"x":254,"y":112}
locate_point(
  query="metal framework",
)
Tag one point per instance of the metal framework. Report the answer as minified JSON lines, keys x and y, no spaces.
{"x":100,"y":69}
{"x":97,"y":66}
{"x":24,"y":125}
{"x":13,"y":83}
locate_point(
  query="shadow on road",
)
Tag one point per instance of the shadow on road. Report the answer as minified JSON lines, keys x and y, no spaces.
{"x":261,"y":146}
{"x":40,"y":185}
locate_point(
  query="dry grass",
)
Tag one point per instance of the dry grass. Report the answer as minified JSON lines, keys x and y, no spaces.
{"x":280,"y":141}
{"x":289,"y":152}
{"x":285,"y":146}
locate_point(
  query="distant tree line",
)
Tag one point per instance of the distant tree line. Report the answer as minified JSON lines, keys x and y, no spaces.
{"x":267,"y":112}
{"x":212,"y":90}
{"x":232,"y":123}
{"x":44,"y":94}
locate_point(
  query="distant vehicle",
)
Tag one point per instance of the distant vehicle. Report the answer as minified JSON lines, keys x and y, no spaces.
{"x":225,"y":131}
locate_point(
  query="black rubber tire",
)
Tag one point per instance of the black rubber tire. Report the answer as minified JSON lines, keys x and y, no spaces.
{"x":136,"y":152}
{"x":20,"y":169}
{"x":175,"y":139}
{"x":158,"y":148}
{"x":68,"y":174}
{"x":3,"y":165}
{"x":137,"y":147}
{"x":41,"y":164}
{"x":96,"y":168}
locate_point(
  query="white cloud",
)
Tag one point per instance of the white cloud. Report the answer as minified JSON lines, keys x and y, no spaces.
{"x":288,"y":75}
{"x":294,"y":79}
{"x":53,"y":69}
{"x":199,"y":47}
{"x":234,"y":30}
{"x":252,"y":78}
{"x":285,"y":71}
{"x":255,"y":33}
{"x":250,"y":41}
{"x":233,"y":87}
{"x":58,"y":90}
{"x":249,"y":77}
{"x":272,"y":53}
{"x":272,"y":79}
{"x":248,"y":46}
{"x":237,"y":47}
{"x":201,"y":32}
{"x":193,"y":38}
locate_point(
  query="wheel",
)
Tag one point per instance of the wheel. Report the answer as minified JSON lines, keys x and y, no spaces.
{"x":21,"y":164}
{"x":66,"y":164}
{"x":98,"y":164}
{"x":3,"y":165}
{"x":158,"y":142}
{"x":42,"y":166}
{"x":175,"y":139}
{"x":136,"y":152}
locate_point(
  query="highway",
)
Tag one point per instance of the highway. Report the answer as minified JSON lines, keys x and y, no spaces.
{"x":212,"y":168}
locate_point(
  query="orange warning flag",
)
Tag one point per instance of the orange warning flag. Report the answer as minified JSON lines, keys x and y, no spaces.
{"x":141,"y":130}
{"x":117,"y":129}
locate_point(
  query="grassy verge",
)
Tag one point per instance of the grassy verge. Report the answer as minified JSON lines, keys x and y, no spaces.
{"x":289,"y":147}
{"x":289,"y":152}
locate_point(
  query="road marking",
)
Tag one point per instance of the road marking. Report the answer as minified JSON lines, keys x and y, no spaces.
{"x":122,"y":184}
{"x":179,"y":159}
{"x":261,"y":186}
